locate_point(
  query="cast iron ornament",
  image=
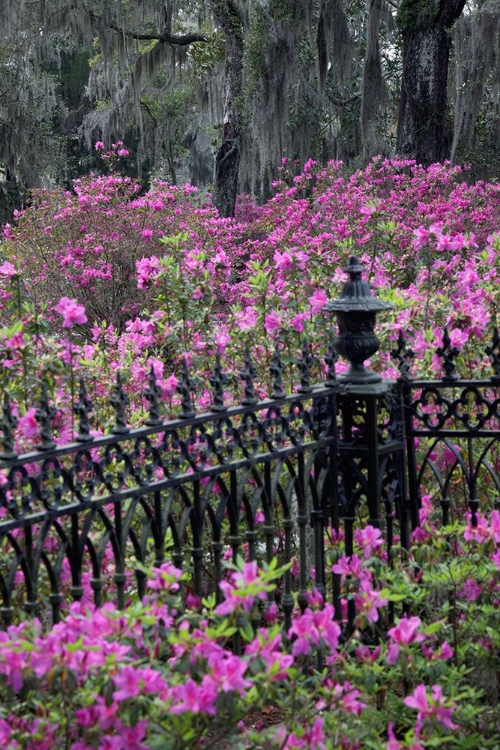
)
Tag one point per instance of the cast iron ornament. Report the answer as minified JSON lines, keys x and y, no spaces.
{"x":356,"y":310}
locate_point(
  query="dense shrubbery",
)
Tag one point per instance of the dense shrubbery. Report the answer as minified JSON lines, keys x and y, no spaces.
{"x":162,"y":673}
{"x":161,"y":277}
{"x":104,"y":279}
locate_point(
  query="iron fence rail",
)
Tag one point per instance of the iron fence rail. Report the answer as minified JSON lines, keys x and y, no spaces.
{"x":262,"y":478}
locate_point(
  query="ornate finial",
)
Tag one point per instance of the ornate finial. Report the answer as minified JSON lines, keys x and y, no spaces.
{"x":185,"y":389}
{"x":277,"y":374}
{"x":152,"y":393}
{"x":356,"y":310}
{"x":493,"y":351}
{"x":304,"y":364}
{"x":403,"y":355}
{"x":447,"y":352}
{"x":119,"y":400}
{"x":218,"y":380}
{"x":8,"y":424}
{"x":44,"y":415}
{"x":82,"y":409}
{"x":247,"y":375}
{"x":330,"y":360}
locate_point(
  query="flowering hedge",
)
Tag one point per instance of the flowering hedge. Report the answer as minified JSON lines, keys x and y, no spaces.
{"x":161,"y":277}
{"x":104,"y":279}
{"x":162,"y":673}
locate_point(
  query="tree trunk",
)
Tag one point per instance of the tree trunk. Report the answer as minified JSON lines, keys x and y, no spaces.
{"x":227,"y":159}
{"x":425,"y":27}
{"x":374,"y":89}
{"x":477,"y":45}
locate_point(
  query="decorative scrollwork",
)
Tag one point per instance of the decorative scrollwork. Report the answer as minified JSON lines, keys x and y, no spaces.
{"x":152,"y":393}
{"x":186,"y":389}
{"x":199,"y":447}
{"x":448,"y":354}
{"x":299,"y":423}
{"x":472,"y":409}
{"x":250,"y":434}
{"x":248,"y":374}
{"x":277,"y":375}
{"x":172,"y":453}
{"x":403,"y":355}
{"x":224,"y":440}
{"x":330,"y":361}
{"x":275,"y":428}
{"x":45,"y":415}
{"x":119,"y":400}
{"x":432,"y":408}
{"x":8,"y":424}
{"x":218,"y":380}
{"x":304,"y":364}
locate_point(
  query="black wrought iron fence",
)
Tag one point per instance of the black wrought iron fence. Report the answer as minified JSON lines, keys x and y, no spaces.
{"x":452,"y":434}
{"x":259,"y":478}
{"x":245,"y":479}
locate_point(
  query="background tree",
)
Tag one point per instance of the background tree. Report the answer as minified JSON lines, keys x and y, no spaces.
{"x":476,"y":89}
{"x":425,"y":28}
{"x":216,"y":92}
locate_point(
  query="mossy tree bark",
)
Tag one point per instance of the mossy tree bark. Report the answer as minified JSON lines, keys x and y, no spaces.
{"x":227,"y":159}
{"x":425,"y":26}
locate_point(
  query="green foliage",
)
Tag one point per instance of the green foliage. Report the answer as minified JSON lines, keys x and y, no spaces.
{"x":416,"y":15}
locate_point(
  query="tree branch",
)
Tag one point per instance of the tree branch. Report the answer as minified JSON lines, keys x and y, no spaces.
{"x":148,"y":110}
{"x":166,"y":37}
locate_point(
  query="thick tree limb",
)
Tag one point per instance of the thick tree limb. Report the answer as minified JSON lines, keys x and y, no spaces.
{"x":174,"y":40}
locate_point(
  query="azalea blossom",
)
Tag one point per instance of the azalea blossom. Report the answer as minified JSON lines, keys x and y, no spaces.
{"x":71,"y":311}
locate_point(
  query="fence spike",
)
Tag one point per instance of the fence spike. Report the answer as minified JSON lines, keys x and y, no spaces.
{"x":185,"y":389}
{"x":304,"y":364}
{"x":493,"y":351}
{"x":447,"y":352}
{"x":218,"y":380}
{"x":248,"y":374}
{"x":152,"y":393}
{"x":83,"y":409}
{"x":8,"y":424}
{"x":330,"y":359}
{"x":119,"y":400}
{"x":277,"y":374}
{"x":44,"y":415}
{"x":403,"y":355}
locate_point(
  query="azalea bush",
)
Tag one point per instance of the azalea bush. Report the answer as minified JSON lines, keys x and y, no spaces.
{"x":162,"y":279}
{"x":104,"y":281}
{"x":418,"y":668}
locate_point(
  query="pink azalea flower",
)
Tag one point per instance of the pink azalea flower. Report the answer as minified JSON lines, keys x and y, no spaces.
{"x":479,"y":531}
{"x":432,"y":707}
{"x":369,"y":539}
{"x":318,"y":301}
{"x":421,"y":236}
{"x":111,"y":742}
{"x":458,"y":338}
{"x":369,"y":601}
{"x":228,"y":673}
{"x":132,"y":736}
{"x":246,"y":319}
{"x":196,"y":698}
{"x":348,"y":566}
{"x":471,"y":590}
{"x":7,"y":269}
{"x":28,"y":424}
{"x":272,"y":321}
{"x":406,"y":631}
{"x":297,"y":322}
{"x":72,"y":312}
